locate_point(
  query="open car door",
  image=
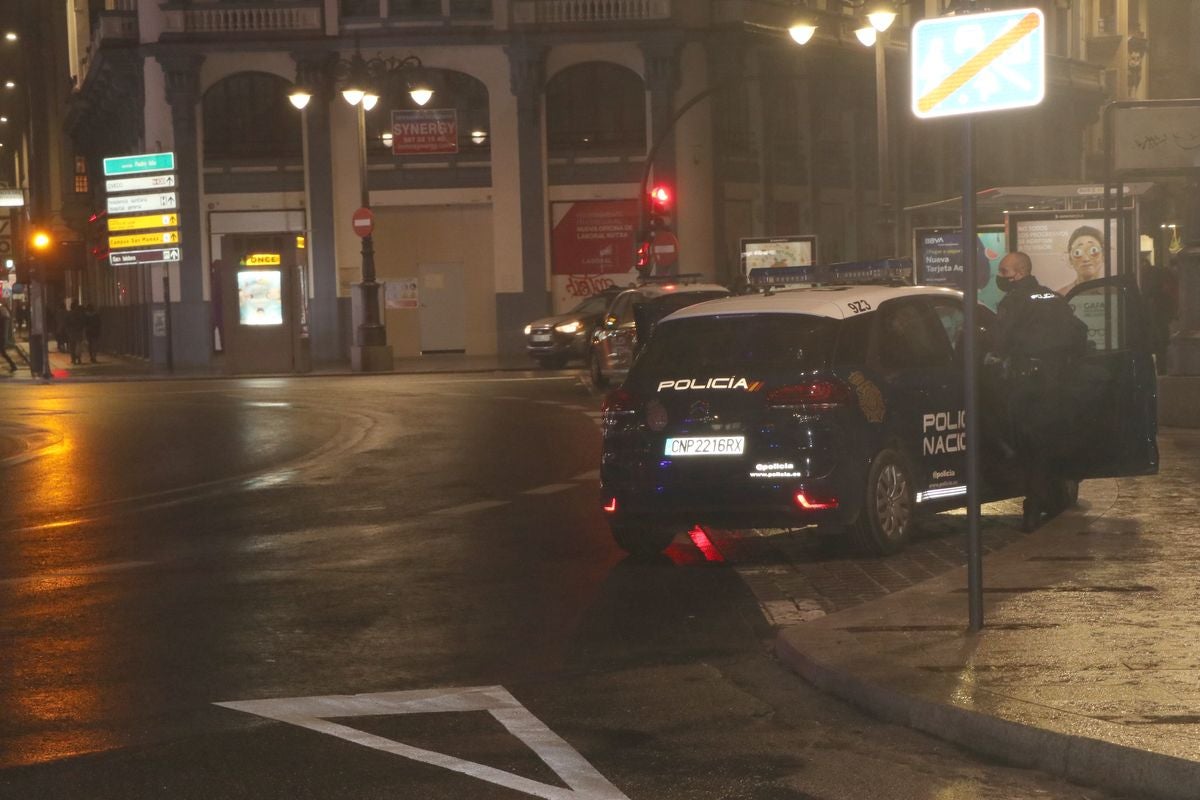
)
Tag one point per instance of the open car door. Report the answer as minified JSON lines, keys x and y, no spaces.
{"x":1113,"y":393}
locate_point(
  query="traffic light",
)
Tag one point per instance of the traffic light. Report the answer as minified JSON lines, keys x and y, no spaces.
{"x":661,"y":200}
{"x":98,"y":236}
{"x":38,"y":249}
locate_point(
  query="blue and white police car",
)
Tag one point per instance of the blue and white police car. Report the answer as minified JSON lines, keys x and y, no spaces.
{"x":842,"y":407}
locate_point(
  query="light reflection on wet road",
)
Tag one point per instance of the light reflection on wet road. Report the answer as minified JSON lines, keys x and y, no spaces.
{"x":182,"y":544}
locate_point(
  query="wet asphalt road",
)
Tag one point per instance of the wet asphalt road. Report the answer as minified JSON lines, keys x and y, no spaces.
{"x":175,"y":545}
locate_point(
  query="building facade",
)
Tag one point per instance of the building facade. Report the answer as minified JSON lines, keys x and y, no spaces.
{"x":517,"y":188}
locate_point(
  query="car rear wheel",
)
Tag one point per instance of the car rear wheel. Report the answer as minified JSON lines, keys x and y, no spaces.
{"x":642,"y":538}
{"x":596,"y":370}
{"x":886,"y":523}
{"x":552,"y":362}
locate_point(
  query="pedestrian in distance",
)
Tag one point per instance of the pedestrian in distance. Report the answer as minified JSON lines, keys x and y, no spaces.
{"x":1037,"y":343}
{"x":59,"y":319}
{"x":6,"y":334}
{"x":1160,"y":294}
{"x":75,"y":328}
{"x":91,"y":330}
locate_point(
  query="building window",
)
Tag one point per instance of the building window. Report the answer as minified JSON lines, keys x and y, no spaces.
{"x":418,"y":9}
{"x":360,"y":8}
{"x":81,"y":175}
{"x":247,"y":117}
{"x":596,"y":107}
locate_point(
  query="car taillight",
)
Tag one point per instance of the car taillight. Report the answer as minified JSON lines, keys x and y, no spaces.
{"x":814,"y":503}
{"x":821,"y":393}
{"x":619,"y":401}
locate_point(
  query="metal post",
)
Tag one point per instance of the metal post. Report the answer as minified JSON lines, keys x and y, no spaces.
{"x":974,"y":556}
{"x":886,"y":206}
{"x":370,"y":332}
{"x":167,"y":317}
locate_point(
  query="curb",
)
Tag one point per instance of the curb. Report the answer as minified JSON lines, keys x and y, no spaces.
{"x":1077,"y":758}
{"x":1082,"y":760}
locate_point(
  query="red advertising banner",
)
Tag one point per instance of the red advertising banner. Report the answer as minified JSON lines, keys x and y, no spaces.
{"x":426,"y":130}
{"x":592,"y":248}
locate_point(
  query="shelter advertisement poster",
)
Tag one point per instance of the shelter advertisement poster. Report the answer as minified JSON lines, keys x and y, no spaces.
{"x":260,"y":297}
{"x":1066,"y":248}
{"x":939,"y":259}
{"x":778,"y":251}
{"x":591,"y":248}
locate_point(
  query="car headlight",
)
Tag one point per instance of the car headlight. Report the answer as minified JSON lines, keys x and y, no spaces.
{"x":569,"y":327}
{"x":528,"y":329}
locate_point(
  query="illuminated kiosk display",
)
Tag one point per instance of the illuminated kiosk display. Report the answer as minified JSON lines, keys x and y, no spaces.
{"x":260,"y":297}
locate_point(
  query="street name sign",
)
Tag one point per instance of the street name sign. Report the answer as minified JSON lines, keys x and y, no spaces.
{"x":140,"y":184}
{"x":143,"y":239}
{"x":974,"y":63}
{"x":128,"y":258}
{"x":137,"y":203}
{"x":133,"y":165}
{"x":143,"y":222}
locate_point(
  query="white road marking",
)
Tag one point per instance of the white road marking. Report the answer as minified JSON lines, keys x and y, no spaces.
{"x":550,"y":488}
{"x":471,"y":508}
{"x":312,"y":712}
{"x":590,"y":475}
{"x":72,"y":572}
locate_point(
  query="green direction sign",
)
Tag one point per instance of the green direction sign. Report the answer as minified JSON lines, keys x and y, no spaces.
{"x":132,"y":165}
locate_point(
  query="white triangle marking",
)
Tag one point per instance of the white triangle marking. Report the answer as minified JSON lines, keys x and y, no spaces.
{"x":313,"y":712}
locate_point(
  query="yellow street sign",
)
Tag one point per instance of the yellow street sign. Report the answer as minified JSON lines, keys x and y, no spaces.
{"x":143,"y":222}
{"x":262,"y":260}
{"x":143,"y":239}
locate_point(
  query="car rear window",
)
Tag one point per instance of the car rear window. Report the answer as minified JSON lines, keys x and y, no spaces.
{"x":759,"y":343}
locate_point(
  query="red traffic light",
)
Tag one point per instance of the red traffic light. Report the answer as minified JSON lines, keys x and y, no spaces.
{"x":660,"y":199}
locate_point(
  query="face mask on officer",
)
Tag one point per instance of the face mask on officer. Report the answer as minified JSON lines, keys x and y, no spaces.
{"x":1004,"y":284}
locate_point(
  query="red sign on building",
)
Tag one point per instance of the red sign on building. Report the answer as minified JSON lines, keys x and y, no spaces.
{"x":591,"y":248}
{"x":426,"y":130}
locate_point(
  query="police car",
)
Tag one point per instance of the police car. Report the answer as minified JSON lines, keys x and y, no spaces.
{"x":842,"y":407}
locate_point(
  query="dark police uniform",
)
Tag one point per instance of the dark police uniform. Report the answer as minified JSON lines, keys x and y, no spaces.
{"x":1038,"y":340}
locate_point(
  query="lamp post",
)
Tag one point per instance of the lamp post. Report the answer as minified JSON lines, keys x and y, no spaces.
{"x":880,"y":14}
{"x":360,"y":80}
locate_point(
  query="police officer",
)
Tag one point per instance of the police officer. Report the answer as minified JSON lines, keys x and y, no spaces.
{"x":1037,"y":340}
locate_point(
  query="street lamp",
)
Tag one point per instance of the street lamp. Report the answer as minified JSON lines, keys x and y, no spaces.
{"x":360,"y":80}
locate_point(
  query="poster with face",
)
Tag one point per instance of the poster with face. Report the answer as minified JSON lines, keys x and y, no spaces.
{"x":1066,"y":249}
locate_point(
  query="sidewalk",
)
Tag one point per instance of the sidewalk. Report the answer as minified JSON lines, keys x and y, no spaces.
{"x":1088,"y":665}
{"x":114,"y":367}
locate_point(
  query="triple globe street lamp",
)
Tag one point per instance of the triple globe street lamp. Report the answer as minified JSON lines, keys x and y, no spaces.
{"x":361,"y":81}
{"x":879,"y":14}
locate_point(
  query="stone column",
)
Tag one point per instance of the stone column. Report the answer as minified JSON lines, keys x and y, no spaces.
{"x":527,"y":72}
{"x":326,"y":335}
{"x":191,"y":323}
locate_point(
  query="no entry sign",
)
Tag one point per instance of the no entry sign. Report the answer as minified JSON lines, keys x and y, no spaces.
{"x":363,"y":221}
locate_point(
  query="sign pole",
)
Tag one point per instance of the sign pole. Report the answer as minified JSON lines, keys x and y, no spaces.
{"x":167,"y":317}
{"x":970,"y":341}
